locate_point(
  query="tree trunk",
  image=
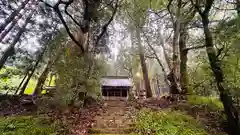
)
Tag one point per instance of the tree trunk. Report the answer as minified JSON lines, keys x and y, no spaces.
{"x":176,"y":24}
{"x":31,"y":72}
{"x":13,"y":15}
{"x":9,"y":28}
{"x":183,"y":51}
{"x":167,"y":59}
{"x":183,"y":59}
{"x":174,"y":72}
{"x":143,"y":65}
{"x":20,"y":85}
{"x":158,"y":87}
{"x":10,"y":50}
{"x":42,"y":79}
{"x":162,"y":44}
{"x":29,"y":75}
{"x":43,"y":76}
{"x":50,"y":81}
{"x":159,"y":62}
{"x":238,"y":7}
{"x":230,"y":110}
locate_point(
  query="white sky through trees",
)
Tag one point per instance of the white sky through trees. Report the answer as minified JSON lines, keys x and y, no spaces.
{"x":118,"y":35}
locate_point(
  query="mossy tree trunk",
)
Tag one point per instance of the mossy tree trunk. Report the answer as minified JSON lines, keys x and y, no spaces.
{"x":215,"y":63}
{"x":173,"y":76}
{"x":143,"y":65}
{"x":183,"y":59}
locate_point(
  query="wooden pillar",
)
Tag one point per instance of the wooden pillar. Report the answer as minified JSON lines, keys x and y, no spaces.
{"x":121,"y":92}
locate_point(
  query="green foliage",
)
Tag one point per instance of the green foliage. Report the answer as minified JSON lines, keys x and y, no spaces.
{"x":208,"y":110}
{"x":11,"y":82}
{"x":138,"y":9}
{"x":55,"y":44}
{"x":167,"y":122}
{"x":213,"y":103}
{"x":201,"y":80}
{"x":227,"y":38}
{"x":128,"y":60}
{"x":77,"y":76}
{"x":11,"y":76}
{"x":27,"y":125}
{"x":8,"y":78}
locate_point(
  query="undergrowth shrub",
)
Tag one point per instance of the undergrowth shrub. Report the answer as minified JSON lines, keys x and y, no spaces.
{"x":212,"y":103}
{"x":28,"y":125}
{"x":167,"y":122}
{"x":77,"y":77}
{"x":208,"y":110}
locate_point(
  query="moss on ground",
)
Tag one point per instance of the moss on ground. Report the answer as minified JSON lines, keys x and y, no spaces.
{"x":208,"y":110}
{"x":168,"y":122}
{"x":213,"y":103}
{"x":28,"y":125}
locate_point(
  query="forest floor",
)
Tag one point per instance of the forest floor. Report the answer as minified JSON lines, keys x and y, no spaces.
{"x":131,"y":117}
{"x":197,"y":115}
{"x":114,"y":117}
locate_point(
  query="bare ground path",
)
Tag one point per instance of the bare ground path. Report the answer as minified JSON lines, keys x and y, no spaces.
{"x":116,"y":118}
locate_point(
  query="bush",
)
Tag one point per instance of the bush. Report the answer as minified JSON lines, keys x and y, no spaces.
{"x":212,"y":103}
{"x":77,"y":76}
{"x":168,"y":122}
{"x":27,"y":125}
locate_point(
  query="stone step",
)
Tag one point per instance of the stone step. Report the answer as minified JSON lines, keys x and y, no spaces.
{"x":112,"y":124}
{"x":110,"y":130}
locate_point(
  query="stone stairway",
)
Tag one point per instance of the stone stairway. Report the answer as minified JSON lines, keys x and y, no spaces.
{"x":115,"y":118}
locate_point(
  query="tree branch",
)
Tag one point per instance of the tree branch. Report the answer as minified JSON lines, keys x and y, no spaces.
{"x":157,"y":58}
{"x":219,"y":52}
{"x":208,"y":6}
{"x":67,"y":29}
{"x":56,"y":9}
{"x":104,"y":28}
{"x":151,"y":57}
{"x":48,"y":5}
{"x":194,"y":47}
{"x":108,"y":4}
{"x":74,"y":20}
{"x":196,"y":5}
{"x":168,"y":8}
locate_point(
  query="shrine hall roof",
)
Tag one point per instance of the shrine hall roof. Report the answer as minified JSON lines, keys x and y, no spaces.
{"x":116,"y":81}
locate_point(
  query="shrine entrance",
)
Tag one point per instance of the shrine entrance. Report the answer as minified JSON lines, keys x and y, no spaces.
{"x":115,"y":88}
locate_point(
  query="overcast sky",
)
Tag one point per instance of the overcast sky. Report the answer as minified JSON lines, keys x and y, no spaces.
{"x":116,"y":39}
